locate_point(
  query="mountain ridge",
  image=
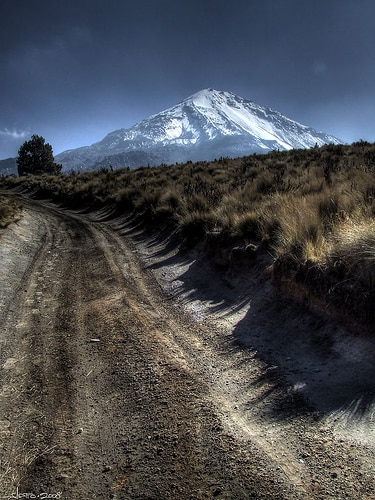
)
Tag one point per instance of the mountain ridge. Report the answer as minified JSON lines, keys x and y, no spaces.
{"x":206,"y":125}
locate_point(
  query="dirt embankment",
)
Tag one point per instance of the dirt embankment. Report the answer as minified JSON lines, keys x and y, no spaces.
{"x":129,"y":370}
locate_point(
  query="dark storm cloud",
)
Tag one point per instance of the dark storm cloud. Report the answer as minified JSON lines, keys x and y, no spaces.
{"x":75,"y":70}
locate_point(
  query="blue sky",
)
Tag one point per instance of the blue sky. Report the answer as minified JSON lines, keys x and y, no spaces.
{"x":73,"y":71}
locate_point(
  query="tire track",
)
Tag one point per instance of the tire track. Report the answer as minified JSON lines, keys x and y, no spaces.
{"x":111,"y":391}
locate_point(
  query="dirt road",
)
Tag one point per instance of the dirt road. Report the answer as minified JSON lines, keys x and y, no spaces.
{"x":115,"y":384}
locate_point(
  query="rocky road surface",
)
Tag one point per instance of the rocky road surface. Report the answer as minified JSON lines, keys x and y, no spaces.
{"x":112,"y":388}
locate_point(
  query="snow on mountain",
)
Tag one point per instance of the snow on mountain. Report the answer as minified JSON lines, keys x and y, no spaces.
{"x":206,"y":125}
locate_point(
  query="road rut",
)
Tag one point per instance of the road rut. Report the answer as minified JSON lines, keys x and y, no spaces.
{"x":109,"y":390}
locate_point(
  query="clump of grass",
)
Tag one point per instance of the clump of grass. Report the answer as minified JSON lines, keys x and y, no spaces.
{"x":353,"y":252}
{"x":246,"y":225}
{"x":9,"y":211}
{"x":195,"y":225}
{"x":350,"y":268}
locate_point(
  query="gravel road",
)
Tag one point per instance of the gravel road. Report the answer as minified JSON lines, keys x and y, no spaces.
{"x":111,"y":387}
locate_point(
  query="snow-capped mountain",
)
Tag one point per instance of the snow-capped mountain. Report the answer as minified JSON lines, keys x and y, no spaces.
{"x":206,"y":125}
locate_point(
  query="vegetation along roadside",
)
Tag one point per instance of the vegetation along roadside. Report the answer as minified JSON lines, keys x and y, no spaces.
{"x":10,"y":211}
{"x":312,"y":211}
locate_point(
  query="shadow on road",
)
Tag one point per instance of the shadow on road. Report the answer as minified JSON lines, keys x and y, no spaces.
{"x":325,"y":366}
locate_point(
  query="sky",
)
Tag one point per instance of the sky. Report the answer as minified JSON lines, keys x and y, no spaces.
{"x":75,"y":70}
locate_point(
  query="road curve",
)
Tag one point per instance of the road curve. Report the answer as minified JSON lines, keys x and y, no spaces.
{"x":110,"y":391}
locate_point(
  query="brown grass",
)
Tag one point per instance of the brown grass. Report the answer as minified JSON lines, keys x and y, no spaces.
{"x":313,"y":210}
{"x":9,"y":211}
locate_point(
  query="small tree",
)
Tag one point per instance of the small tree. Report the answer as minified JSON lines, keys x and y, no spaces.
{"x":36,"y":157}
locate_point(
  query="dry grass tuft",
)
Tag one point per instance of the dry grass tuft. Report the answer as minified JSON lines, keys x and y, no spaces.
{"x":9,"y":211}
{"x":353,"y":252}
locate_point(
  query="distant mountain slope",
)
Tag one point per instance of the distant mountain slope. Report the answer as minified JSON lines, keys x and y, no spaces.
{"x":206,"y":125}
{"x":8,"y":167}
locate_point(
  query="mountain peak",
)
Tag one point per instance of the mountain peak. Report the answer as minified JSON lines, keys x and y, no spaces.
{"x":208,"y":93}
{"x":208,"y":124}
{"x":202,"y":98}
{"x":208,"y":97}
